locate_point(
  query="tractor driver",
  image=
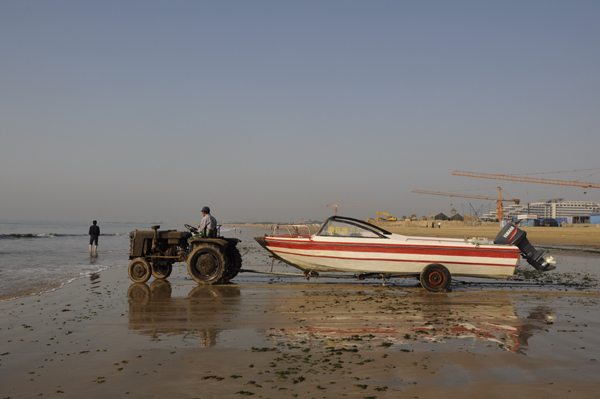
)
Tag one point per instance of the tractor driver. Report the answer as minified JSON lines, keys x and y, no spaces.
{"x":208,"y":225}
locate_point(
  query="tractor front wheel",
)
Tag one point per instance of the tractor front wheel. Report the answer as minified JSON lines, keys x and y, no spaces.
{"x":139,"y":270}
{"x":161,"y":270}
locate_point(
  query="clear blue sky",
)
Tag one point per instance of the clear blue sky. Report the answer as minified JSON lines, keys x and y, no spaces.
{"x":269,"y":110}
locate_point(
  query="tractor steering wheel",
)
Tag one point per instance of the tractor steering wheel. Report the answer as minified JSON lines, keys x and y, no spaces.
{"x":191,"y":228}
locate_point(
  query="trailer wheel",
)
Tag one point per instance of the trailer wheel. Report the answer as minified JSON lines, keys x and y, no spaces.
{"x":161,"y":270}
{"x":206,"y":264}
{"x":435,"y":278}
{"x":234,"y":264}
{"x":139,"y":270}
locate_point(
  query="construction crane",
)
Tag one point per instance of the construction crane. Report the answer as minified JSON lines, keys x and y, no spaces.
{"x":335,"y":206}
{"x":499,"y":200}
{"x":526,"y":179}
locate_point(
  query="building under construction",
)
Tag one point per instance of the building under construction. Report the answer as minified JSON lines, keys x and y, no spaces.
{"x":556,"y":208}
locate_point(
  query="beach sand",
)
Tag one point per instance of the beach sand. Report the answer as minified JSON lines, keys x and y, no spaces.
{"x":271,"y":338}
{"x":582,"y":235}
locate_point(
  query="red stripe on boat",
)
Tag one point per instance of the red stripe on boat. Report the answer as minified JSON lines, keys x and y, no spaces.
{"x":396,"y":249}
{"x":392,"y":260}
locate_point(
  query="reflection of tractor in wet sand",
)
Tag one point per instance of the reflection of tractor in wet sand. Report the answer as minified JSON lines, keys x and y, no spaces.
{"x":209,"y":260}
{"x":154,"y":311}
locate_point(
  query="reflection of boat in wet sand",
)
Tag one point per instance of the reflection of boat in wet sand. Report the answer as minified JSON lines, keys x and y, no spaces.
{"x":490,"y":323}
{"x":349,"y":245}
{"x":154,"y":312}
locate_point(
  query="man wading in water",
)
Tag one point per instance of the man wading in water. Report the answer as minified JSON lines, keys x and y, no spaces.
{"x":94,"y":233}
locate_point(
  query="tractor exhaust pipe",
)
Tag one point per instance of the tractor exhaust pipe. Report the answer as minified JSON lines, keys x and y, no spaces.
{"x":512,"y":235}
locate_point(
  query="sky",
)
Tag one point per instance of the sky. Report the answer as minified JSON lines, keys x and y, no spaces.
{"x":270,"y":110}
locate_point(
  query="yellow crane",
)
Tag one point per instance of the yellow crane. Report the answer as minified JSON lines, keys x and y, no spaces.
{"x":499,"y":200}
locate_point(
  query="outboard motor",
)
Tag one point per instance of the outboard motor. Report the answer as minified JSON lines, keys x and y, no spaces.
{"x":512,"y":235}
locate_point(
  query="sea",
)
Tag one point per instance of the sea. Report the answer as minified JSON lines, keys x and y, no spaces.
{"x":40,"y":256}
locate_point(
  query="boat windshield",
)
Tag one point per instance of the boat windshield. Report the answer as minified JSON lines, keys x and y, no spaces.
{"x":347,"y":227}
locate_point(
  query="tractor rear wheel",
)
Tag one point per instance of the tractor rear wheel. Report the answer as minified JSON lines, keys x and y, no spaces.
{"x":206,"y":264}
{"x":234,"y":264}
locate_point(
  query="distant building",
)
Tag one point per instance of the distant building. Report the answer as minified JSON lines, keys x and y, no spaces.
{"x":552,"y":208}
{"x":439,"y":216}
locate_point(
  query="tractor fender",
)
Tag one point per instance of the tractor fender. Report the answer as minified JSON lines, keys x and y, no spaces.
{"x":221,"y":242}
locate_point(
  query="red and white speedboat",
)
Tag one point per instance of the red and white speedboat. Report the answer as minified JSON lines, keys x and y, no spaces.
{"x":349,"y":245}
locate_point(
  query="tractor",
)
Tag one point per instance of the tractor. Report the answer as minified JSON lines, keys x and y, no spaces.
{"x":153,"y":252}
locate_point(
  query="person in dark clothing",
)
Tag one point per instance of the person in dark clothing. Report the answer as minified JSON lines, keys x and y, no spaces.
{"x":94,"y":233}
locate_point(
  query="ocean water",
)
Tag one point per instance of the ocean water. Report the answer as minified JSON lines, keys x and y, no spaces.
{"x":41,"y":256}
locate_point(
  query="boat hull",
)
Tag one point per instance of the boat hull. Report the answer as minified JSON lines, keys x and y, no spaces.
{"x":398,"y":256}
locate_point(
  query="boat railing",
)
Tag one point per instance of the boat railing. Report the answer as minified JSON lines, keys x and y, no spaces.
{"x":468,"y":240}
{"x":295,"y":229}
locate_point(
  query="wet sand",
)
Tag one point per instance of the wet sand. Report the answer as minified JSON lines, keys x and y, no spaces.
{"x":276,"y":338}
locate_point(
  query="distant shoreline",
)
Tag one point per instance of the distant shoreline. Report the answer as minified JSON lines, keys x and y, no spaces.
{"x":249,"y":225}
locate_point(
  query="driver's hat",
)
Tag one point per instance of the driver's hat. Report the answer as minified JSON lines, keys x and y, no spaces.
{"x":206,"y":209}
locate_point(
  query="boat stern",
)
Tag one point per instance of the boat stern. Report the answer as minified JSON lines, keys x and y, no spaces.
{"x":512,"y":235}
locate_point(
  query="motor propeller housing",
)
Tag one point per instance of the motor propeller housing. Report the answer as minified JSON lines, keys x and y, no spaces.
{"x":512,"y":235}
